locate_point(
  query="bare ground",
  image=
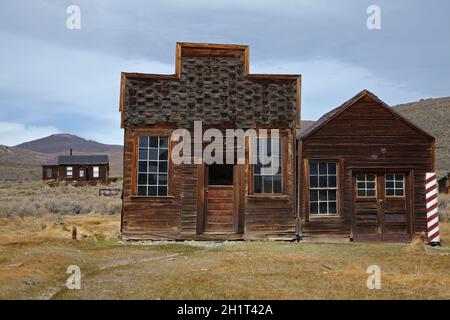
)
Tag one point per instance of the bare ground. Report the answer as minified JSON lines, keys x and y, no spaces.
{"x":36,"y":251}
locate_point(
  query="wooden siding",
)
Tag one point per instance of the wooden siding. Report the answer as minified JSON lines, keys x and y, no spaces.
{"x":183,"y":215}
{"x":365,"y":136}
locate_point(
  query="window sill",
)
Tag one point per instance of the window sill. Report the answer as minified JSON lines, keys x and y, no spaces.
{"x":280,"y":197}
{"x":146,"y":198}
{"x":324,"y":216}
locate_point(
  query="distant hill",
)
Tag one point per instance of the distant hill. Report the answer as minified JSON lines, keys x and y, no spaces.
{"x":16,"y":163}
{"x":24,"y":160}
{"x":64,"y":142}
{"x":432,"y":115}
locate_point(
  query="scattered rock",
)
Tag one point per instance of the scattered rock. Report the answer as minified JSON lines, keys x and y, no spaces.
{"x":15,"y":265}
{"x":31,"y":281}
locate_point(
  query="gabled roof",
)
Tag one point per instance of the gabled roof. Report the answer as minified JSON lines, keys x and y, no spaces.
{"x":84,"y":159}
{"x":327,"y":117}
{"x":51,"y":162}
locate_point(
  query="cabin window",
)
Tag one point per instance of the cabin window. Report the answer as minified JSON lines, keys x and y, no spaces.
{"x":153,"y":155}
{"x":267,"y":170}
{"x":323,"y":188}
{"x":394,"y":184}
{"x":95,"y":172}
{"x":69,"y":172}
{"x":366,"y":185}
{"x":49,"y":172}
{"x":81,"y":173}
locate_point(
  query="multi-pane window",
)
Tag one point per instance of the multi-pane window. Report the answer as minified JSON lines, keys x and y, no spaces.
{"x":395,"y":184}
{"x":322,"y":187}
{"x":95,"y":172}
{"x":69,"y":172}
{"x":366,"y":185}
{"x":49,"y":172}
{"x":153,"y":158}
{"x":267,"y":170}
{"x":81,"y":173}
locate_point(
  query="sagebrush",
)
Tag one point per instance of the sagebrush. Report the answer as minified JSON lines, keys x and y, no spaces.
{"x":34,"y":198}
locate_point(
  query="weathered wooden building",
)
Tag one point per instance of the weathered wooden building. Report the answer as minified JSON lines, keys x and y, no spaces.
{"x":212,"y":84}
{"x":81,"y":168}
{"x":362,"y":173}
{"x":358,"y":173}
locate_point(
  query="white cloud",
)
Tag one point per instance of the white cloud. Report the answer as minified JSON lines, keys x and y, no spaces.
{"x":12,"y":133}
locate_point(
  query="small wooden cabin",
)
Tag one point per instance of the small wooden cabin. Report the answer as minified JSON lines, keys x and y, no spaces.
{"x":211,"y":84}
{"x":362,"y":173}
{"x":81,"y":168}
{"x":444,"y":184}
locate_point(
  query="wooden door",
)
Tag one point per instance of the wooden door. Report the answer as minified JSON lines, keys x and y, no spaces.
{"x":394,"y":208}
{"x":219,"y":198}
{"x":381,"y":209}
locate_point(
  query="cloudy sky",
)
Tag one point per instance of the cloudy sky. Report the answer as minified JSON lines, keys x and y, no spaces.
{"x":54,"y":79}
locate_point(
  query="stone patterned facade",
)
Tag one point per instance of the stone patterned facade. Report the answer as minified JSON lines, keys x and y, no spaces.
{"x":213,"y":90}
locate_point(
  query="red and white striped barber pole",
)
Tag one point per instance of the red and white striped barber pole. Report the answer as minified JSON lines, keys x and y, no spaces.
{"x":431,"y":198}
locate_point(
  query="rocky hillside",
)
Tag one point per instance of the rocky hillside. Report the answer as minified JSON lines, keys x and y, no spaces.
{"x":432,"y":115}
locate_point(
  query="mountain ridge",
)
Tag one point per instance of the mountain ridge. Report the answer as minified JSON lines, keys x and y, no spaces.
{"x":63,"y":142}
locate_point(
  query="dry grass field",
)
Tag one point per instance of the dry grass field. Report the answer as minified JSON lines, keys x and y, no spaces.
{"x":36,"y":198}
{"x":36,"y":249}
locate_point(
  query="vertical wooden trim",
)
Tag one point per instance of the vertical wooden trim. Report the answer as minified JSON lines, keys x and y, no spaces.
{"x":123,"y":80}
{"x":178,"y":59}
{"x":239,"y":194}
{"x":236,"y":196}
{"x":352,"y":205}
{"x":306,"y":183}
{"x":284,"y":165}
{"x":293,"y":167}
{"x":380,"y":196}
{"x":433,"y":156}
{"x":200,"y":198}
{"x":299,"y":184}
{"x":246,"y":61}
{"x":341,"y":186}
{"x":412,"y":224}
{"x":134,"y":138}
{"x":299,"y":101}
{"x":249,"y":147}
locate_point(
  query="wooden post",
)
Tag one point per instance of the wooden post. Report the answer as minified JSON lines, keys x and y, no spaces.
{"x":74,"y":233}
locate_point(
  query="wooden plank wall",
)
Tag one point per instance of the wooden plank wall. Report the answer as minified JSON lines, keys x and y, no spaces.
{"x":180,"y":216}
{"x":274,"y":215}
{"x":356,"y":136}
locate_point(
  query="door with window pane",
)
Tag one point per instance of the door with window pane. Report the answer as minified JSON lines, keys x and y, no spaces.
{"x":380,"y":206}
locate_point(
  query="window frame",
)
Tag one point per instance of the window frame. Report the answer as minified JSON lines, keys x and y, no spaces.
{"x":365,"y":182}
{"x":135,"y":187}
{"x":69,"y":168}
{"x":395,"y":181}
{"x":337,"y":163}
{"x":282,"y":192}
{"x":81,"y":170}
{"x":95,"y":173}
{"x":49,"y":172}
